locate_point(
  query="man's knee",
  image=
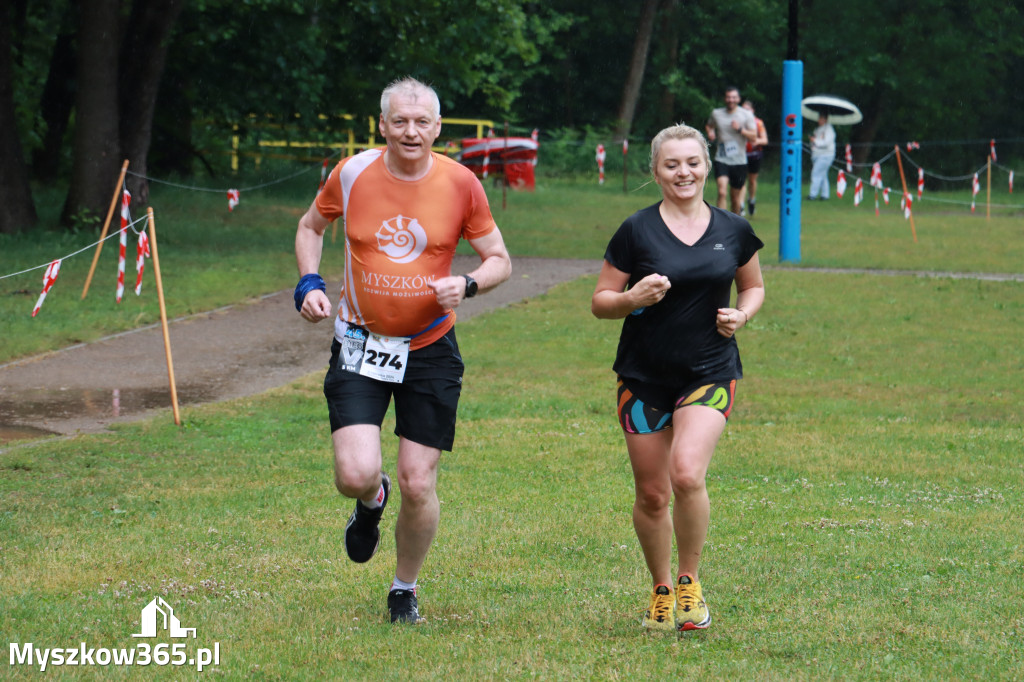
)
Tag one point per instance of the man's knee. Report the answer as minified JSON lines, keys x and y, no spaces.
{"x":357,"y":460}
{"x":723,"y":189}
{"x":353,"y":480}
{"x":417,"y":486}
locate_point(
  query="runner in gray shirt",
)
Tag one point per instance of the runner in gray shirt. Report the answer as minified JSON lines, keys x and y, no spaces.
{"x":731,"y":127}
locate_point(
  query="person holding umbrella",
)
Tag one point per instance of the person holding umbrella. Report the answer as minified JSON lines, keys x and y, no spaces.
{"x":827,"y":110}
{"x":823,"y":153}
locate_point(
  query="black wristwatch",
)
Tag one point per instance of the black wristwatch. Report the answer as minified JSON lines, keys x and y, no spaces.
{"x":471,"y":286}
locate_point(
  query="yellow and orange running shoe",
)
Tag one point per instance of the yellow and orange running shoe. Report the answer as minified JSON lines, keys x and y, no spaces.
{"x":659,"y":613}
{"x":691,"y":611}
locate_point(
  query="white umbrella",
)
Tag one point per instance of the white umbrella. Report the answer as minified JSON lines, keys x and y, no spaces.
{"x":838,"y":110}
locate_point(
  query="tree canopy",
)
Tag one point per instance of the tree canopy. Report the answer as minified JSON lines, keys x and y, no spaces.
{"x":94,"y":81}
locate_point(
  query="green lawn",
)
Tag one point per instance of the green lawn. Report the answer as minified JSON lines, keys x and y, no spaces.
{"x":865,"y":497}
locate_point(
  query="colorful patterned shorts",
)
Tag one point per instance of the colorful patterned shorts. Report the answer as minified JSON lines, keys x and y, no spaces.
{"x":654,"y":412}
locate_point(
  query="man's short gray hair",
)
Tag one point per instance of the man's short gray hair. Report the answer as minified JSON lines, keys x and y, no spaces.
{"x":411,"y":88}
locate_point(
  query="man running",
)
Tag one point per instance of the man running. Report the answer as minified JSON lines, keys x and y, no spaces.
{"x":731,"y":127}
{"x":405,"y":209}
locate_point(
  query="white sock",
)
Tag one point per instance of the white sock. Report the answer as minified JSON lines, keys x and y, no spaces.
{"x":377,"y":500}
{"x":397,"y":584}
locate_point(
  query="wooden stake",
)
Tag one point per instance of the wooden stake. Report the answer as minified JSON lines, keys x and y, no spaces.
{"x":106,"y":226}
{"x":988,"y":191}
{"x":163,"y":316}
{"x":625,"y":165}
{"x":903,"y":179}
{"x":504,"y":172}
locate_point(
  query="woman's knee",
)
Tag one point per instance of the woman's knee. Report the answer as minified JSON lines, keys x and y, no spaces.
{"x":653,"y":498}
{"x":687,"y":481}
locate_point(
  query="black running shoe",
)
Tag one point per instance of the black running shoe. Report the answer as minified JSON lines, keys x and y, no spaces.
{"x":403,"y":607}
{"x":362,"y":532}
{"x":751,"y":207}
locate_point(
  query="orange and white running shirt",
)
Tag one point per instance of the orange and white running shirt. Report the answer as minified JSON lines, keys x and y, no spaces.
{"x":400,"y":235}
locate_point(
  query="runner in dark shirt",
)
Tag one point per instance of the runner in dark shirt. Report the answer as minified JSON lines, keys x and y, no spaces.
{"x":669,"y":271}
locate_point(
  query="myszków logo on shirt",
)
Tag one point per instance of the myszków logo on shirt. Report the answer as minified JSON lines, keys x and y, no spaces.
{"x":401,"y":239}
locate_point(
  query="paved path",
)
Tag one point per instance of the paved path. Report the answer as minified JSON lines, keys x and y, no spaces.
{"x":936,"y":274}
{"x":239,"y":350}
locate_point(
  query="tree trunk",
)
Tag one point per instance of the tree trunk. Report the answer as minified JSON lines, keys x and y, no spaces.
{"x":670,"y":33}
{"x":864,"y":134}
{"x":96,"y":163}
{"x":172,"y":125}
{"x":56,"y":104}
{"x":17,"y":22}
{"x":143,"y":56}
{"x":17,"y":211}
{"x":637,"y":66}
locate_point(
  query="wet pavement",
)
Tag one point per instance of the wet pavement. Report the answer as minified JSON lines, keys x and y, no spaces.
{"x":227,"y":353}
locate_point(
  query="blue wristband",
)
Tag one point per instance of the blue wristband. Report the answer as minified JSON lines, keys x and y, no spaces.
{"x":307,"y":284}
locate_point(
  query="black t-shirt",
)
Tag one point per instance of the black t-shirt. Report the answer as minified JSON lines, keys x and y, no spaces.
{"x":675,"y":342}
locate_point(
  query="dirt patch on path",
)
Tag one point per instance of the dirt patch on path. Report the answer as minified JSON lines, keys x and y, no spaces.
{"x":235,"y":351}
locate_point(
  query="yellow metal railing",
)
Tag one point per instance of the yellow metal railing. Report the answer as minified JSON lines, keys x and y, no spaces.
{"x":349,"y":147}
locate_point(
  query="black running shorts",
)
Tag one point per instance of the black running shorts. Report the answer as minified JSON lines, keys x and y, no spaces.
{"x":425,"y":402}
{"x":754,"y":163}
{"x":737,"y":174}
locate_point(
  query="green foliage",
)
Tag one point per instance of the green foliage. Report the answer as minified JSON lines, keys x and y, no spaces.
{"x":561,"y":65}
{"x":572,"y":153}
{"x":696,"y":50}
{"x":30,"y":58}
{"x":285,"y":59}
{"x":286,"y":63}
{"x":892,"y":70}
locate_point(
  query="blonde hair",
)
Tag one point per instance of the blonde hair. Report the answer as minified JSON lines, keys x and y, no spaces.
{"x":680,"y":131}
{"x":412,"y":88}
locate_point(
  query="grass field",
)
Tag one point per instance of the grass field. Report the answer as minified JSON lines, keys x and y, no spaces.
{"x":865,"y":497}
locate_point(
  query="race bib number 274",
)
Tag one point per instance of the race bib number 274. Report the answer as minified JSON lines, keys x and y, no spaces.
{"x":374,"y":355}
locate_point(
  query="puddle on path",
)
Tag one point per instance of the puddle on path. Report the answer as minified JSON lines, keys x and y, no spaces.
{"x":38,"y":405}
{"x":9,"y":434}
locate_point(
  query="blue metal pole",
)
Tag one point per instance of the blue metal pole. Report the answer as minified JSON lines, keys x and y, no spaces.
{"x":792,"y":156}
